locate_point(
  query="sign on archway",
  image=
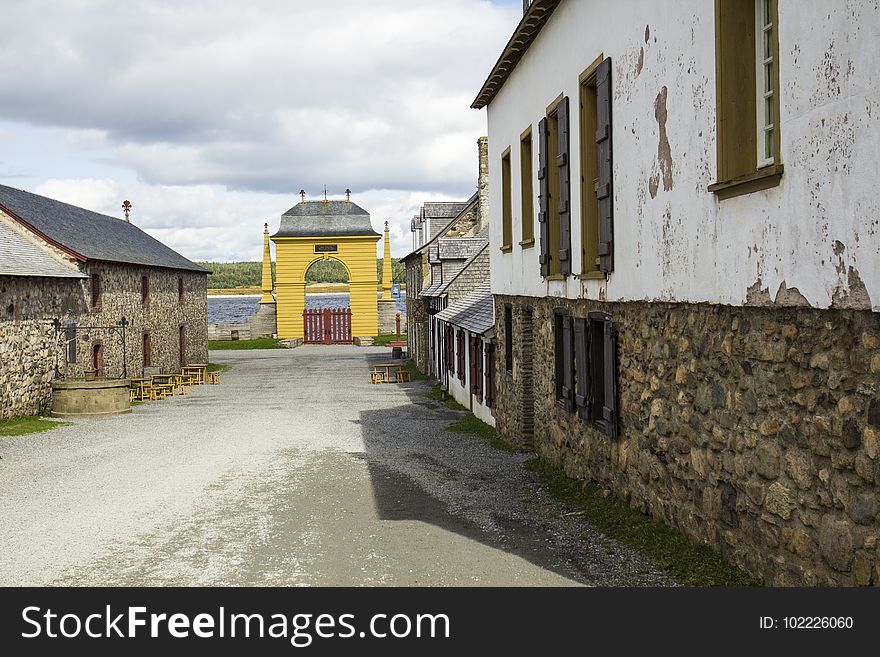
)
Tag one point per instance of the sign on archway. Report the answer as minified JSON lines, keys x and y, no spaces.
{"x":320,"y":230}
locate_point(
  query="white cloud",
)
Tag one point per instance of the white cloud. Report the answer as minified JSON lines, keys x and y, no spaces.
{"x":211,"y":116}
{"x":265,"y":96}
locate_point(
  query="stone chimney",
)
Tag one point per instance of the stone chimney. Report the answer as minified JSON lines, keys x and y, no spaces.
{"x":483,"y":180}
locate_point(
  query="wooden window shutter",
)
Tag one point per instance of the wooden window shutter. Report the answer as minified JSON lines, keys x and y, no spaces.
{"x":460,"y":340}
{"x":478,"y":367}
{"x":544,"y":196}
{"x":609,"y":409}
{"x":490,"y":375}
{"x":472,"y":364}
{"x":582,"y":368}
{"x":562,"y":163}
{"x":567,"y":364}
{"x":605,"y":193}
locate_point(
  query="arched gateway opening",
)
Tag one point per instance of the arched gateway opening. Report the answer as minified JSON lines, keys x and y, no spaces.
{"x":313,"y":232}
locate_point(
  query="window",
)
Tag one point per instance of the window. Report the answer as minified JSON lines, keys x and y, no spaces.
{"x":180,"y":290}
{"x":148,"y":350}
{"x":70,"y":340}
{"x":450,"y":348}
{"x":508,"y":338}
{"x":595,"y":343}
{"x":563,"y":357}
{"x":145,"y":290}
{"x":595,"y":170}
{"x":96,"y":291}
{"x":747,"y":88}
{"x":506,"y":213}
{"x":766,"y":88}
{"x":553,"y":177}
{"x":527,"y":229}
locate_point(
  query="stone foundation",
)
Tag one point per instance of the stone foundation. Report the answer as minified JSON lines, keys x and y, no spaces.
{"x":388,"y":313}
{"x":756,"y":430}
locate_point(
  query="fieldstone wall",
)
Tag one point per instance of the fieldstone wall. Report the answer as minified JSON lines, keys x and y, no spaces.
{"x":756,"y":430}
{"x":161,"y":317}
{"x":29,"y":345}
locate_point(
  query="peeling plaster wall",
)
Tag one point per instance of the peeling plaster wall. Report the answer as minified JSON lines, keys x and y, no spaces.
{"x":813,"y":240}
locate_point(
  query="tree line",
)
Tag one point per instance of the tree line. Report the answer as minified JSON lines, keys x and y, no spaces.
{"x":250,"y":274}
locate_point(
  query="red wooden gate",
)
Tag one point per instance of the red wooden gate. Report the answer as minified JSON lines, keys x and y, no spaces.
{"x":327,"y":326}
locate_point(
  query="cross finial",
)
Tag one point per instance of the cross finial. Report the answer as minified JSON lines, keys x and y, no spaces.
{"x":325,"y":194}
{"x":348,"y":195}
{"x":126,"y":208}
{"x":302,"y":195}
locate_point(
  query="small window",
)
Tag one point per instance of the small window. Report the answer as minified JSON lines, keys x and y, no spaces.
{"x":595,"y":345}
{"x":70,"y":341}
{"x":96,"y":291}
{"x":180,"y":290}
{"x":148,"y":350}
{"x":765,"y":92}
{"x":508,"y":338}
{"x":181,"y":339}
{"x":527,"y":197}
{"x":563,"y":358}
{"x":506,"y":212}
{"x":145,"y":290}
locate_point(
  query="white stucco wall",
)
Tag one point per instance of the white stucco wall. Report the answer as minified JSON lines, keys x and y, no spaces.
{"x":818,"y":231}
{"x":461,"y":392}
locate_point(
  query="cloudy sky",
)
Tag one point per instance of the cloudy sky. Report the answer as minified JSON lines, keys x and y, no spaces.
{"x":211,"y":116}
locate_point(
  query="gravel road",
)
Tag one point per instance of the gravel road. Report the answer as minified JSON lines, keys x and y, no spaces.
{"x":294,"y":471}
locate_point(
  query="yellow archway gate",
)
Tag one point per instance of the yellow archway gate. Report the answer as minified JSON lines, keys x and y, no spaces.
{"x":315,"y":230}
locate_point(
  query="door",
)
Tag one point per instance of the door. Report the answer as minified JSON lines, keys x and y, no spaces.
{"x":182,"y":346}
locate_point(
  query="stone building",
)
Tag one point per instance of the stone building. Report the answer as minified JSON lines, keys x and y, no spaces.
{"x":450,"y":260}
{"x":685,"y":275}
{"x":78,"y":274}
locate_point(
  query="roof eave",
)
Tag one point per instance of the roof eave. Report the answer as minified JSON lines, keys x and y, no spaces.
{"x":73,"y":254}
{"x":525,"y":33}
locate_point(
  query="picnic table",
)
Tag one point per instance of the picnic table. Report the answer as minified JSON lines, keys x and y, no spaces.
{"x":382,"y":372}
{"x":198,"y":370}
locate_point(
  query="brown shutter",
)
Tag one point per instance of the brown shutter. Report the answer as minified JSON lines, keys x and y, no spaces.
{"x":480,"y":367}
{"x":605,"y":193}
{"x":562,"y":163}
{"x":567,"y":362}
{"x":472,"y":364}
{"x":544,"y":198}
{"x":609,"y":410}
{"x":582,"y":369}
{"x":460,"y":341}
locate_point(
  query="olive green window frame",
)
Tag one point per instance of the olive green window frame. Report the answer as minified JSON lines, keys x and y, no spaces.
{"x":506,"y":203}
{"x":527,"y":189}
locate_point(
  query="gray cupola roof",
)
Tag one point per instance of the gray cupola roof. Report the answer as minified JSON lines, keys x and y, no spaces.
{"x":326,"y":219}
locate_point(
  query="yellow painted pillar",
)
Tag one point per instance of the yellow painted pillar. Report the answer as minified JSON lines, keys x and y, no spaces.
{"x":386,"y":269}
{"x":291,"y":304}
{"x":267,"y":268}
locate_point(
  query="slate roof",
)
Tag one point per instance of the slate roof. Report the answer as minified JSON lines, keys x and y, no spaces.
{"x":474,"y":313}
{"x":467,"y":263}
{"x":464,"y":207}
{"x":330,"y":219}
{"x":443,"y":209}
{"x":460,"y":248}
{"x":90,"y":235}
{"x":21,"y":257}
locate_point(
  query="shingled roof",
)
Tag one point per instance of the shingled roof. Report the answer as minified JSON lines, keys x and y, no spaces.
{"x":474,"y":313}
{"x":21,"y":257}
{"x":89,"y":235}
{"x":326,"y":219}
